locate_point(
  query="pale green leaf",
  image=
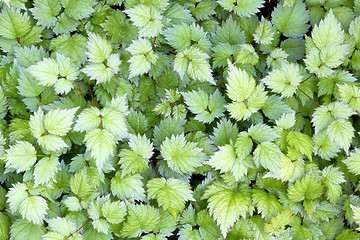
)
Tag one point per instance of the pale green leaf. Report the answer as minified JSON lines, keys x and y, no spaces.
{"x":353,"y":162}
{"x":242,"y":8}
{"x":227,"y":203}
{"x":16,"y":195}
{"x":291,"y":20}
{"x":46,"y":169}
{"x":129,"y":186}
{"x":14,"y":24}
{"x":141,"y":219}
{"x":284,"y":80}
{"x":301,"y":142}
{"x":187,"y":233}
{"x":101,"y":144}
{"x":46,"y":11}
{"x":28,"y":86}
{"x":22,"y":229}
{"x":262,"y":133}
{"x":99,"y":49}
{"x":328,"y":31}
{"x":114,"y":121}
{"x":21,"y":156}
{"x":114,"y":212}
{"x":61,"y":225}
{"x":59,"y":121}
{"x":51,"y":142}
{"x":34,"y":209}
{"x":88,"y":119}
{"x":46,"y":72}
{"x":171,"y":194}
{"x":341,"y":132}
{"x":240,"y":84}
{"x":243,"y":145}
{"x":181,"y":156}
{"x":268,"y":155}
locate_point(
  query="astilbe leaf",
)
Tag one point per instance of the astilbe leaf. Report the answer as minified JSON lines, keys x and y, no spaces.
{"x":171,"y":194}
{"x":227,"y":203}
{"x":180,"y":155}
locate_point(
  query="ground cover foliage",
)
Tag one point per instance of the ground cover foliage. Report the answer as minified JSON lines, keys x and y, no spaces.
{"x":179,"y":119}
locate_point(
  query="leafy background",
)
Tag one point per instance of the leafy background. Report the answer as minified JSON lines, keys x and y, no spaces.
{"x":179,"y":119}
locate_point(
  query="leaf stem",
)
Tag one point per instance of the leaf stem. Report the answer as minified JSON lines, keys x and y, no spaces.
{"x":153,"y":166}
{"x":78,"y":229}
{"x":307,"y":78}
{"x":92,"y":97}
{"x":308,"y":96}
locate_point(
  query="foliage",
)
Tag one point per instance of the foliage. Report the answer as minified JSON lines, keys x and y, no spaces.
{"x":186,"y":119}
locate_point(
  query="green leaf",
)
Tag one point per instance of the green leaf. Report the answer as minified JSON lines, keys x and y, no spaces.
{"x":81,"y":183}
{"x":284,"y":80}
{"x":16,"y":195}
{"x":268,"y":155}
{"x":27,"y":56}
{"x":193,"y":61}
{"x":28,"y":86}
{"x":341,"y":132}
{"x":286,"y":121}
{"x":243,"y":145}
{"x":100,"y":143}
{"x":22,"y":229}
{"x":14,"y":24}
{"x":327,"y":32}
{"x":136,"y":160}
{"x":114,"y":121}
{"x":171,"y":194}
{"x":267,"y":204}
{"x":129,"y":186}
{"x":65,"y":24}
{"x":240,"y":84}
{"x":324,"y":147}
{"x":186,"y":233}
{"x":114,"y":212}
{"x":242,"y":8}
{"x":147,"y":18}
{"x":227,"y":203}
{"x":309,"y":187}
{"x":181,"y":156}
{"x":4,"y":226}
{"x":353,"y":162}
{"x":78,"y":9}
{"x":225,"y":132}
{"x":21,"y":156}
{"x":72,"y":46}
{"x":204,"y":106}
{"x":59,"y":121}
{"x":227,"y":161}
{"x":46,"y":11}
{"x":291,"y":20}
{"x":46,"y":170}
{"x":229,"y":32}
{"x":283,"y":218}
{"x":275,"y":107}
{"x":34,"y":209}
{"x":99,"y":49}
{"x":141,"y":219}
{"x":301,"y":142}
{"x":46,"y":72}
{"x":263,"y":32}
{"x":116,"y":25}
{"x":262,"y":133}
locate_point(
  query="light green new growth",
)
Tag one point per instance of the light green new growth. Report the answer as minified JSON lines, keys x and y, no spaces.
{"x":179,"y":119}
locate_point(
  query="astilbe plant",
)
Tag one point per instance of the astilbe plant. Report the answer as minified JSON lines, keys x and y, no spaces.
{"x":179,"y":119}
